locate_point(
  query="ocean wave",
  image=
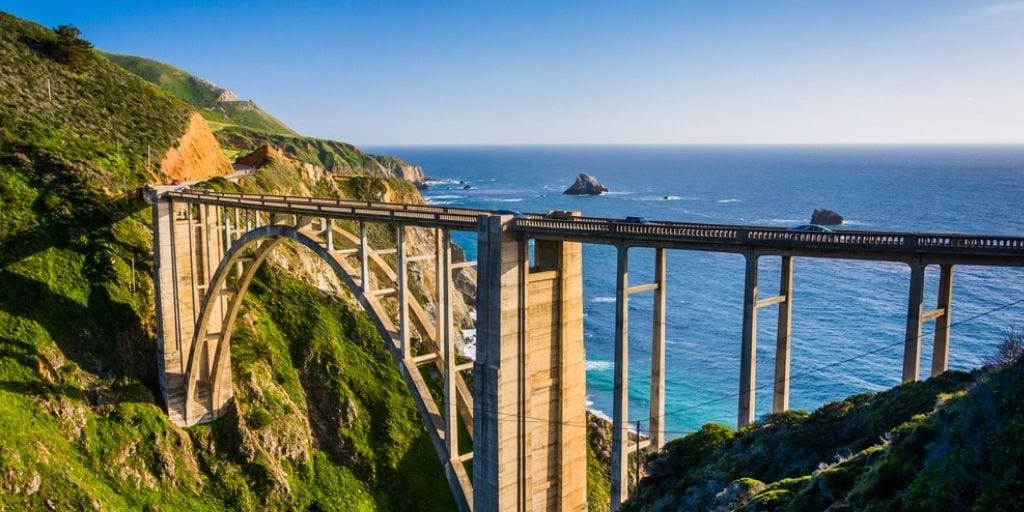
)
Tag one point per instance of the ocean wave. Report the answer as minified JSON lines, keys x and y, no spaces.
{"x":603,"y":300}
{"x":666,"y":198}
{"x":599,"y":366}
{"x":432,"y":201}
{"x":502,"y":200}
{"x":444,"y":196}
{"x":600,"y":414}
{"x":778,"y":221}
{"x":619,"y":193}
{"x":730,"y":200}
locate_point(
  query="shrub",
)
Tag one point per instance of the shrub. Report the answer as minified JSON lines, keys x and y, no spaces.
{"x":1009,"y":351}
{"x":69,"y":48}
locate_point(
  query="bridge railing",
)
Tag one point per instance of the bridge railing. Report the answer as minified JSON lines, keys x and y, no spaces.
{"x":459,"y":218}
{"x":596,"y":227}
{"x":619,"y":231}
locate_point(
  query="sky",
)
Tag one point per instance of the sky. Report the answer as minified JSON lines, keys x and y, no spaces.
{"x":752,"y":72}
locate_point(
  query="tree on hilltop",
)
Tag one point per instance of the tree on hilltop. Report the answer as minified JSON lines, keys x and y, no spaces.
{"x":69,"y":48}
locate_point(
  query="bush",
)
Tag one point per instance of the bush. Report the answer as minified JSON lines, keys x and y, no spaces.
{"x":69,"y":48}
{"x":1009,"y":351}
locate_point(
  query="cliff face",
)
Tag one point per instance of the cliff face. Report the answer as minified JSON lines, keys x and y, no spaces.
{"x":196,"y":155}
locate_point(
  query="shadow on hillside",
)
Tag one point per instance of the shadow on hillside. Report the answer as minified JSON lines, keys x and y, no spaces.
{"x":63,"y":231}
{"x":101,"y":335}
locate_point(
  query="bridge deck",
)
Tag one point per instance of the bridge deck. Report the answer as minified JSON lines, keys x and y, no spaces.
{"x":930,"y":248}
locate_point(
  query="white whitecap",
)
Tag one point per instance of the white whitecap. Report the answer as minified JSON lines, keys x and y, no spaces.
{"x":599,"y":366}
{"x":731,"y":200}
{"x":469,"y":350}
{"x":603,"y":300}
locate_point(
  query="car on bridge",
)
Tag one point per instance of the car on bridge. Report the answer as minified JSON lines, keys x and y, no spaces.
{"x":810,"y":228}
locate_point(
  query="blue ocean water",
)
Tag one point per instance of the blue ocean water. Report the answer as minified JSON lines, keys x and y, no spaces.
{"x":842,"y":309}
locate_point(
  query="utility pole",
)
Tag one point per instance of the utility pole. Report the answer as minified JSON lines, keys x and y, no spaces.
{"x":133,"y":271}
{"x":49,"y":92}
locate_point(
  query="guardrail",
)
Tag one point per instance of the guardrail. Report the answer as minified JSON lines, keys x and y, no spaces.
{"x":455,"y":218}
{"x":617,"y":231}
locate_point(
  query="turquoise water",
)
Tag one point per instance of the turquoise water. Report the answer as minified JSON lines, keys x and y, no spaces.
{"x":842,"y":309}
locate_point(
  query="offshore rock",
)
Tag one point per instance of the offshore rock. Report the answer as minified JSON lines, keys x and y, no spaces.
{"x":824,"y":217}
{"x":586,"y":185}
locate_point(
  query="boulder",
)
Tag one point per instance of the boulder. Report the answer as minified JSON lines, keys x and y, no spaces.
{"x":824,"y":217}
{"x":586,"y":185}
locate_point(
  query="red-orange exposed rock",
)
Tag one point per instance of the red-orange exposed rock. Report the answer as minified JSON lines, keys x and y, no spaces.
{"x":197,"y":155}
{"x":262,"y":156}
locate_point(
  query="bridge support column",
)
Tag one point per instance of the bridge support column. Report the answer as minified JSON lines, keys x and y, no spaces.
{"x":943,"y":321}
{"x":912,"y":341}
{"x":403,"y":292}
{"x":620,"y":384}
{"x":364,"y":259}
{"x":783,"y":339}
{"x":748,"y":345}
{"x":657,"y":412}
{"x":529,"y":375}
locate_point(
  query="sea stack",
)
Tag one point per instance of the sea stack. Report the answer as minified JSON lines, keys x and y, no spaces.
{"x":824,"y":217}
{"x":586,"y":185}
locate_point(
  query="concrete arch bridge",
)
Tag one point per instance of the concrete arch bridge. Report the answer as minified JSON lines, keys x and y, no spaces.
{"x":523,"y":410}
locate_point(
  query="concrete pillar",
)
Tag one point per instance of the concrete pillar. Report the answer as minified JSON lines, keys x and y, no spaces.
{"x":780,"y":397}
{"x":912,"y":343}
{"x":620,"y":386}
{"x":329,"y":233}
{"x":364,"y":259}
{"x":451,"y":412}
{"x":499,"y":473}
{"x":657,"y":413}
{"x":940,"y":351}
{"x":748,"y":345}
{"x":403,"y":291}
{"x":529,"y":375}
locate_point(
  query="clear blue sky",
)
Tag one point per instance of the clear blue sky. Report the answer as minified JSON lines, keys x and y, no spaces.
{"x":811,"y":71}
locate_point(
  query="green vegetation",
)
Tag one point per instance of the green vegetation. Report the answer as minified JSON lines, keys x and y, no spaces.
{"x":323,"y":421}
{"x":337,"y":157}
{"x":214,"y":103}
{"x":949,"y":443}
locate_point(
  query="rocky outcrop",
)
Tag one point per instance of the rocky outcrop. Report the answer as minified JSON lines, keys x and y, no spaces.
{"x":258,"y":158}
{"x":824,"y":217}
{"x":586,"y":185}
{"x":196,"y":156}
{"x":406,"y":171}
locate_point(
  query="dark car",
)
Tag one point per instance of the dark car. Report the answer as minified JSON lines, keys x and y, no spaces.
{"x":810,"y":228}
{"x":635,"y":220}
{"x":514,"y":213}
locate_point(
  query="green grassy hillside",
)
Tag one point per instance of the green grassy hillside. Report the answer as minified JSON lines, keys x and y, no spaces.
{"x":202,"y":94}
{"x":950,"y":443}
{"x":323,"y":421}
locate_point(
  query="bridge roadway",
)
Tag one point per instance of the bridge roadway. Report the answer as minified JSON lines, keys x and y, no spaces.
{"x":930,"y":248}
{"x":529,"y":364}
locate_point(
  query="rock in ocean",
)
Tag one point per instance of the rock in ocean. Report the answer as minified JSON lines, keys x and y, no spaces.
{"x":824,"y":217}
{"x":586,"y":185}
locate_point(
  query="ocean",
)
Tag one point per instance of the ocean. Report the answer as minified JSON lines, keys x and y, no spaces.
{"x":843,"y":310}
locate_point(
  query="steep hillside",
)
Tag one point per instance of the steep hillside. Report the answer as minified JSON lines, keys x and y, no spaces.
{"x":217,"y":104}
{"x":332,"y":156}
{"x":322,"y":419}
{"x":950,"y":443}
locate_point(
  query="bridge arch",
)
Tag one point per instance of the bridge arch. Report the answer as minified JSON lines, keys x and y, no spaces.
{"x":261,"y":241}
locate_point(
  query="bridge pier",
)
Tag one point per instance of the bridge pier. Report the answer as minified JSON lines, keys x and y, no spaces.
{"x":622,"y":448}
{"x":748,"y":346}
{"x":917,"y":316}
{"x":529,"y":375}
